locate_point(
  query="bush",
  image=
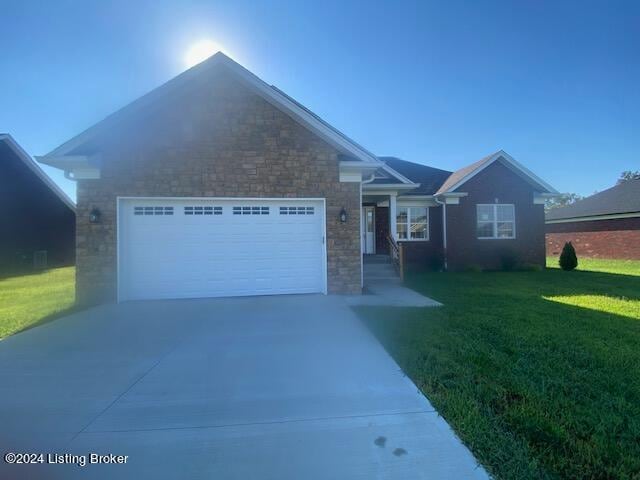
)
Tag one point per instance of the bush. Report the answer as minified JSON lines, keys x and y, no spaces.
{"x":568,"y":259}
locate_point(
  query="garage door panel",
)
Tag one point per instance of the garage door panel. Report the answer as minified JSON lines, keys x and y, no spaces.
{"x":231,"y":247}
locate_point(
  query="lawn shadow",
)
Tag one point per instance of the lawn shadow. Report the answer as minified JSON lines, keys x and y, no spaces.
{"x":535,"y":388}
{"x":75,"y":308}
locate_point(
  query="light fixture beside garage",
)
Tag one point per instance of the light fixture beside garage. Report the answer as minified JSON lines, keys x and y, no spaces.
{"x":94,"y":216}
{"x":343,"y":215}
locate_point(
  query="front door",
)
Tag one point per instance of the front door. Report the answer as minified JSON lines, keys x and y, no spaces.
{"x":368,"y":230}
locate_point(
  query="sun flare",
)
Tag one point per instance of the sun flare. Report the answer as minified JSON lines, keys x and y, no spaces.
{"x":200,"y":51}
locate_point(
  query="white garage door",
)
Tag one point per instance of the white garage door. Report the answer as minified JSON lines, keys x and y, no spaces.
{"x":190,"y":248}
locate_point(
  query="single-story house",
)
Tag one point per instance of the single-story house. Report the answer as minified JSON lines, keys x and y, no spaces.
{"x":604,"y":225}
{"x":37,"y":217}
{"x":219,"y":184}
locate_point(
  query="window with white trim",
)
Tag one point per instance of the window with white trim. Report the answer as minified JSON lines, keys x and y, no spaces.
{"x":152,"y":210}
{"x":246,"y":210}
{"x":496,"y":221}
{"x":296,"y":210}
{"x":412,"y":223}
{"x":202,"y":210}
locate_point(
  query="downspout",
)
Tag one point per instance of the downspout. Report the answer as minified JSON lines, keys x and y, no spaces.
{"x":373,"y":176}
{"x":444,"y":231}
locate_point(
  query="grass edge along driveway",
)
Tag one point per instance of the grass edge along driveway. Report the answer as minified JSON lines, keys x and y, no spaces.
{"x":537,"y":372}
{"x":27,"y":300}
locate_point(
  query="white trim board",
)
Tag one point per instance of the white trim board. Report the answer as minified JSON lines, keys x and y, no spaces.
{"x":594,"y":218}
{"x":35,"y":168}
{"x":495,"y":221}
{"x":408,"y":207}
{"x":510,"y":162}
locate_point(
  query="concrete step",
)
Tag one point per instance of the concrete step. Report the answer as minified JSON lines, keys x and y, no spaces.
{"x":377,"y":259}
{"x":381,"y":281}
{"x":379,"y":268}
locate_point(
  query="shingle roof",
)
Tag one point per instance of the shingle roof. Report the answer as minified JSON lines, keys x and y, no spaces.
{"x":8,"y":146}
{"x":623,"y":198}
{"x":462,"y":173}
{"x":429,"y":178}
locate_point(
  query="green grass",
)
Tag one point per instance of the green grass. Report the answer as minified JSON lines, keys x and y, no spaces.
{"x":537,"y":372}
{"x":628,"y":267}
{"x":27,"y":300}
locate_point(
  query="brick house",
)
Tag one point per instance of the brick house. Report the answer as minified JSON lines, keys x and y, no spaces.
{"x":218,"y":184}
{"x":604,"y":225}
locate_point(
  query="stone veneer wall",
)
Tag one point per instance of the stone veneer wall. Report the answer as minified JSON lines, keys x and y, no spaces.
{"x":217,"y":139}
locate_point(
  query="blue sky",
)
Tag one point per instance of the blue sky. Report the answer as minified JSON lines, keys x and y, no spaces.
{"x":555,"y":84}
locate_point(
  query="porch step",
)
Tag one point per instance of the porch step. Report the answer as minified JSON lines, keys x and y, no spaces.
{"x":373,"y":259}
{"x":381,"y":280}
{"x":379,"y":269}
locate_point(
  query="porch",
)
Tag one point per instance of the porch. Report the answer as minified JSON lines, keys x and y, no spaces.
{"x":393,"y":230}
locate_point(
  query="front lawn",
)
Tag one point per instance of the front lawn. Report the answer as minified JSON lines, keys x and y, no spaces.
{"x":538,"y":372}
{"x":628,"y":267}
{"x":28,"y":299}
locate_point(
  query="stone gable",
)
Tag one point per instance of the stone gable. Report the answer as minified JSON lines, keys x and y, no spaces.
{"x":216,"y":140}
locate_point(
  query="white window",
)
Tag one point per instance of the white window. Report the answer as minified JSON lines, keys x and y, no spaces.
{"x":412,"y":223}
{"x":296,"y":210}
{"x":251,"y":210}
{"x":496,"y":221}
{"x":202,"y":210}
{"x":153,"y":210}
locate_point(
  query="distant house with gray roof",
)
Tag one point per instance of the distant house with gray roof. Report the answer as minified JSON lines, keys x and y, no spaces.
{"x":604,"y":225}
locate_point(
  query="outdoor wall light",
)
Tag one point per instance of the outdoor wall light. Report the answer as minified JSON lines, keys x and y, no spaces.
{"x":94,"y":216}
{"x":343,"y":215}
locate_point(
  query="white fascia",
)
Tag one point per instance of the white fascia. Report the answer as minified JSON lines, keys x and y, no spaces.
{"x":76,"y":167}
{"x":541,"y":198}
{"x":510,"y":161}
{"x":452,"y":198}
{"x":357,"y":171}
{"x":593,"y":218}
{"x":279,"y":99}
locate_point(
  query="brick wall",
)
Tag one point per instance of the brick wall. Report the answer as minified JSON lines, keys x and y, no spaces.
{"x":217,"y":139}
{"x":616,"y":238}
{"x":426,"y":255}
{"x":496,"y":182}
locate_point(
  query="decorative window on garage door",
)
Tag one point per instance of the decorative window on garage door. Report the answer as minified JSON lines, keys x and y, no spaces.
{"x":297,"y":210}
{"x":251,"y":210}
{"x":202,"y":210}
{"x":153,"y":210}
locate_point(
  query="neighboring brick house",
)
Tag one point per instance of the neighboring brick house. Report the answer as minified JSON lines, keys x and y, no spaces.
{"x":604,"y":225}
{"x":218,"y":184}
{"x":37,"y":218}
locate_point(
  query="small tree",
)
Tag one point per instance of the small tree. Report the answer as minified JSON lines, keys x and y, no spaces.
{"x":628,"y":175}
{"x":561,"y":200}
{"x":568,"y":259}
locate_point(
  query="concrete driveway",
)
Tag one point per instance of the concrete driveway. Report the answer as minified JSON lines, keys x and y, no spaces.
{"x":264,"y":387}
